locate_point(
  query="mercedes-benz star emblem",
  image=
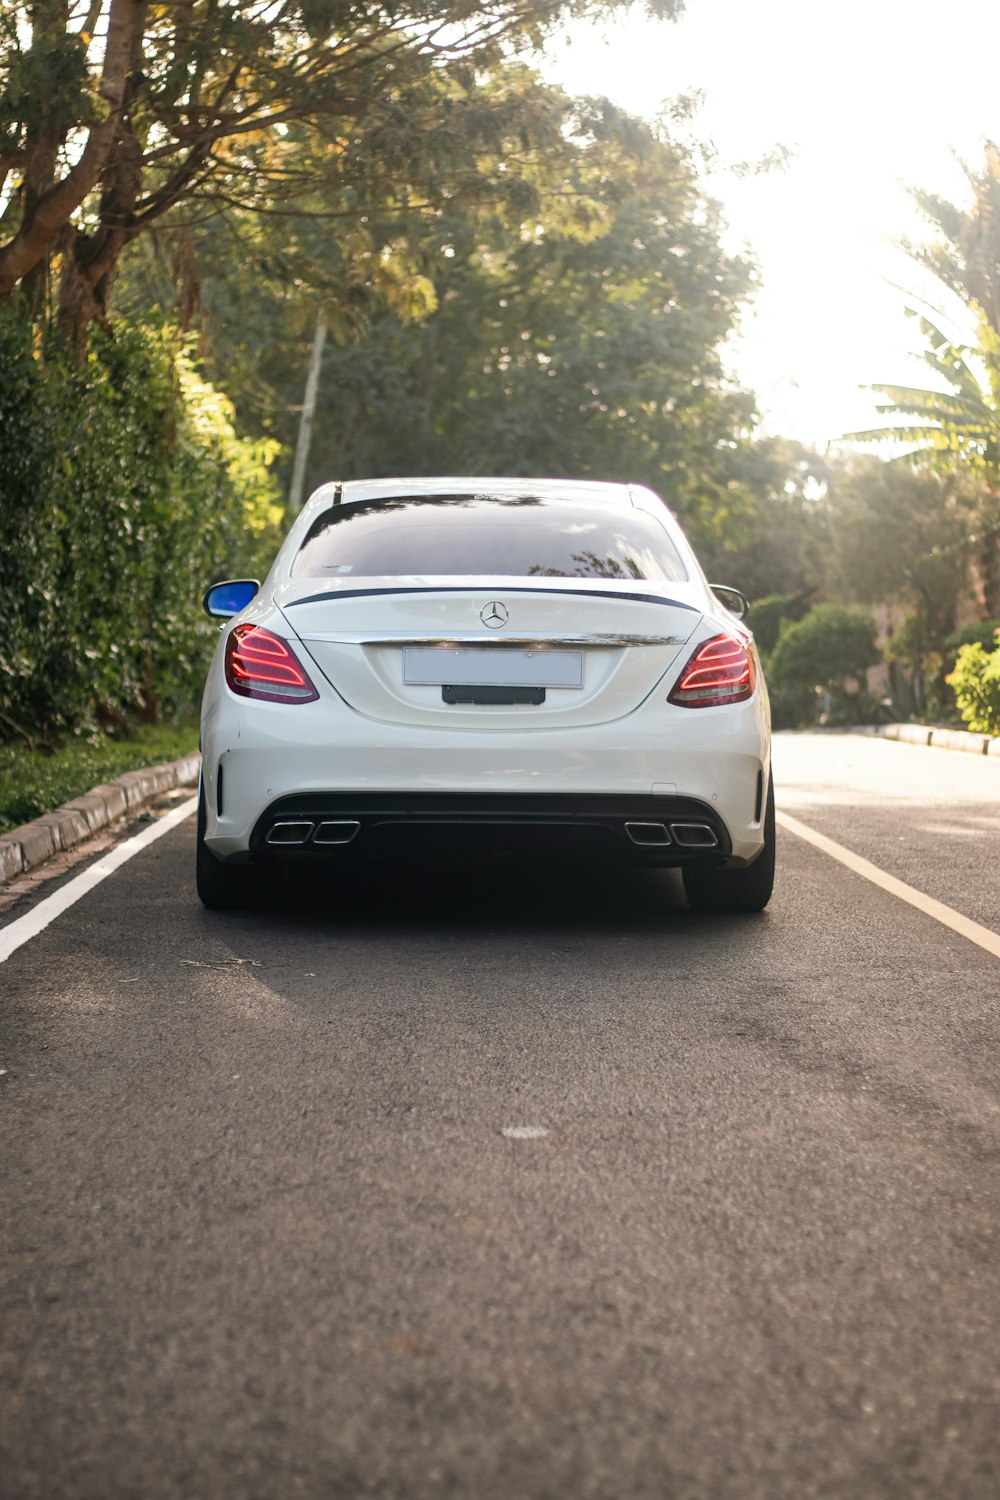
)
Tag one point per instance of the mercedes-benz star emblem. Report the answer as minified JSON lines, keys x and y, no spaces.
{"x":494,"y":615}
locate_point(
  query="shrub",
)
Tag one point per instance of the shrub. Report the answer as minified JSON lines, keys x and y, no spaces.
{"x":976,"y":683}
{"x":767,"y":615}
{"x":818,"y":652}
{"x":124,"y":490}
{"x":983,"y":633}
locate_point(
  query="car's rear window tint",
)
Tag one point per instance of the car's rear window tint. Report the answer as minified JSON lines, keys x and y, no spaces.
{"x":521,"y":536}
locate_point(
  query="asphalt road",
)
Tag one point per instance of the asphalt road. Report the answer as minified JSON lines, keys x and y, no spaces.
{"x":264,"y":1235}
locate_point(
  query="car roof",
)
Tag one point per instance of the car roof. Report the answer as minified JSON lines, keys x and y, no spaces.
{"x":579,"y":490}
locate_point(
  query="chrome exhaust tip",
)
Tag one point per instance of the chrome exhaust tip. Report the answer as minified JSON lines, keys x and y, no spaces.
{"x":694,"y":835}
{"x":336,"y":831}
{"x":286,"y":832}
{"x":648,"y":835}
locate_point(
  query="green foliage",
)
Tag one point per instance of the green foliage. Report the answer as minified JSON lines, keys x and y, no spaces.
{"x":123,"y":491}
{"x":793,"y":705}
{"x":937,"y":503}
{"x":207,"y":102}
{"x":952,"y":427}
{"x":817,"y":653}
{"x":907,"y":535}
{"x":33,"y":781}
{"x":965,"y":254}
{"x":767,"y":616}
{"x":577,"y":331}
{"x":955,"y":423}
{"x":561,"y":309}
{"x":764,"y":525}
{"x":983,"y":633}
{"x":826,"y":645}
{"x":976,"y":682}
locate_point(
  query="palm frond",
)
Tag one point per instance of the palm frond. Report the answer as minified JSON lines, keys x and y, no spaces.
{"x":959,"y":423}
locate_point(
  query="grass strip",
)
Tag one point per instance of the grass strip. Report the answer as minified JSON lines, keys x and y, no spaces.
{"x":32,"y":783}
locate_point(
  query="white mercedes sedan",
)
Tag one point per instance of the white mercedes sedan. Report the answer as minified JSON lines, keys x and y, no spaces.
{"x":478,"y":668}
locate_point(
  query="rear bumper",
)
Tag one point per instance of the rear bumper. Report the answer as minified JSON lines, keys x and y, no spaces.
{"x":337,"y":827}
{"x":549,"y":785}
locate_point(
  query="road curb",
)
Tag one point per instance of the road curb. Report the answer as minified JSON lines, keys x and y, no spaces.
{"x":938,"y":739}
{"x":29,"y":846}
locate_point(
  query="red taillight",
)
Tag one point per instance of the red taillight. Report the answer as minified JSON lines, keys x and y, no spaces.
{"x":260,"y":665}
{"x":719,"y":671}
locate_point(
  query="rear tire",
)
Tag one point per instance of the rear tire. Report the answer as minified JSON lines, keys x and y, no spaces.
{"x":222,"y":887}
{"x":708,"y":888}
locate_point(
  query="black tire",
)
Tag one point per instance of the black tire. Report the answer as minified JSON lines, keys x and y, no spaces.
{"x":710,"y":889}
{"x":222,"y":887}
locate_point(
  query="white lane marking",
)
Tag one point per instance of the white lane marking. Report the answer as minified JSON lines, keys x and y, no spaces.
{"x":983,"y":937}
{"x":524,"y":1132}
{"x":35,"y":921}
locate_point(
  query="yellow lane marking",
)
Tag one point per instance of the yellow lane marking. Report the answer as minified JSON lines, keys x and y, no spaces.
{"x":983,"y":937}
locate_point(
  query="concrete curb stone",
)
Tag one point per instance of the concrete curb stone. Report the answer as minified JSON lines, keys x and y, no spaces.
{"x":11,"y":860}
{"x":114,"y":799}
{"x":959,"y":739}
{"x":910,"y":734}
{"x":68,"y":826}
{"x":93,"y":808}
{"x":29,"y":846}
{"x":940,"y":739}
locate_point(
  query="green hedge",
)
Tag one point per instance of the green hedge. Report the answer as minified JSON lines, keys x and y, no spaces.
{"x":124,"y":491}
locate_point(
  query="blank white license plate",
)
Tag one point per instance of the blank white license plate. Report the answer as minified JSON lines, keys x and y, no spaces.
{"x":436,"y":666}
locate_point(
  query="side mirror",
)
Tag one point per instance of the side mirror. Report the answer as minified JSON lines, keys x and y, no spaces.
{"x":737,"y":604}
{"x":225,"y":599}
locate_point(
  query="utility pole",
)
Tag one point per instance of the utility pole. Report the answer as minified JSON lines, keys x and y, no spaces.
{"x":308,"y":412}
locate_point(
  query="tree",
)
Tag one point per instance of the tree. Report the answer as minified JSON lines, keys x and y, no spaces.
{"x":909,"y":537}
{"x":902,"y":534}
{"x":956,"y":423}
{"x":821,"y":652}
{"x":771,"y":536}
{"x":114,"y":112}
{"x":964,"y":255}
{"x":253,"y":281}
{"x":576,"y":331}
{"x":768,"y":614}
{"x":586,"y":347}
{"x":569,"y":321}
{"x":944,"y":521}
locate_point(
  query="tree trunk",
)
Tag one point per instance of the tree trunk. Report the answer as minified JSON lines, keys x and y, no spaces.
{"x":48,"y":205}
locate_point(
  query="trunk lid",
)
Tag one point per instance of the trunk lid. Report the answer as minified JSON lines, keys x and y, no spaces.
{"x":493,"y":655}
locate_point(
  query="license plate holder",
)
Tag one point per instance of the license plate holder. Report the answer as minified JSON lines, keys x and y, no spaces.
{"x":484,"y":666}
{"x":486,"y":692}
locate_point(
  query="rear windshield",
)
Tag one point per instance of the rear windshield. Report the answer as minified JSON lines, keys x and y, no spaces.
{"x":520,"y":536}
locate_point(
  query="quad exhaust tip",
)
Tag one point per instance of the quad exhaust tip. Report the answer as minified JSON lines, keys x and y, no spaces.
{"x":694,"y":835}
{"x":336,"y":831}
{"x":325,"y":833}
{"x":684,"y":835}
{"x":648,"y":835}
{"x":293,"y":833}
{"x":287,"y":833}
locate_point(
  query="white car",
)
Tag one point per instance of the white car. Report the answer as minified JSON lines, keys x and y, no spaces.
{"x":482,"y":667}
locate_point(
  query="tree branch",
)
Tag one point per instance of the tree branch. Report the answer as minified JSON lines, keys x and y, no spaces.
{"x":53,"y":209}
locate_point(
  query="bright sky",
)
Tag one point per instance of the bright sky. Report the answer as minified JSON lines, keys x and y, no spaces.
{"x":868,"y":96}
